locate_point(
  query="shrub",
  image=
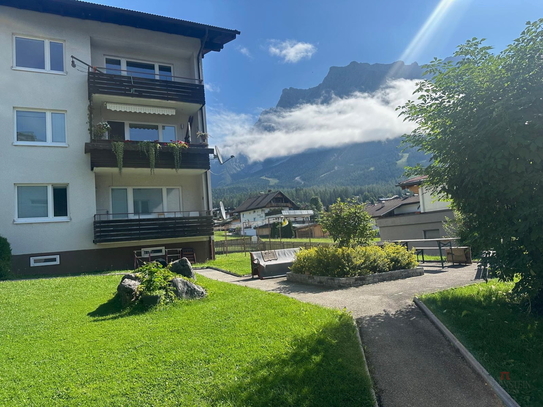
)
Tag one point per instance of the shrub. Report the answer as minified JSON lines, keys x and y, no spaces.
{"x":335,"y":261}
{"x":400,"y":258}
{"x":5,"y":258}
{"x":155,"y":280}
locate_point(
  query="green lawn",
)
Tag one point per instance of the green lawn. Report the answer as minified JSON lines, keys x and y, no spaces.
{"x":499,"y":333}
{"x":236,"y":263}
{"x":65,"y":342}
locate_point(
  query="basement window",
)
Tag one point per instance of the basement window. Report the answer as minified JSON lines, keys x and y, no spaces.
{"x":39,"y":261}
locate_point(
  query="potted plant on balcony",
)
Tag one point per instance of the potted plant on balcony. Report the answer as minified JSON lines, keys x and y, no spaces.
{"x":176,"y":147}
{"x":100,"y":130}
{"x":203,"y":137}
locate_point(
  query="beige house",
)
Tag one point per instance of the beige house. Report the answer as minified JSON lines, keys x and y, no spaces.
{"x":82,"y":85}
{"x":420,"y":216}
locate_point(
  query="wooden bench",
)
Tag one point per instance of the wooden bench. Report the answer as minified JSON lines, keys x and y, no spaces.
{"x":272,"y":263}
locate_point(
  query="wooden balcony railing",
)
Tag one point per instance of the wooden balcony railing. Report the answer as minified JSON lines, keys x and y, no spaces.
{"x":125,"y":227}
{"x":132,"y":86}
{"x":196,"y":156}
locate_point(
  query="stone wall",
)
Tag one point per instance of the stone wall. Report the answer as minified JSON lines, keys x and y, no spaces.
{"x":343,"y":282}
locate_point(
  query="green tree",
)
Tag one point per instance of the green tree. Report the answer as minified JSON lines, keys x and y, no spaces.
{"x":348,"y":223}
{"x":481,"y":121}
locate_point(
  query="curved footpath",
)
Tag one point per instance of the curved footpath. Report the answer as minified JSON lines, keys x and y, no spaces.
{"x":411,"y":362}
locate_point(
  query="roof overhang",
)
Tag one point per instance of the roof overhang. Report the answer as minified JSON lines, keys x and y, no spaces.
{"x":215,"y":37}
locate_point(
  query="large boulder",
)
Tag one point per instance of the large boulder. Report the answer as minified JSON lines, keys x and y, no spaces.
{"x":186,"y":290}
{"x":182,"y":267}
{"x":127,"y":290}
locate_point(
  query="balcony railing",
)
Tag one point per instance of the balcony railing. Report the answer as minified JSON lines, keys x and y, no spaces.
{"x":178,"y":89}
{"x":125,"y":227}
{"x":102,"y":156}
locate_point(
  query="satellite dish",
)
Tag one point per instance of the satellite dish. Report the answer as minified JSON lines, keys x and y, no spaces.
{"x":223,"y":212}
{"x":218,"y":156}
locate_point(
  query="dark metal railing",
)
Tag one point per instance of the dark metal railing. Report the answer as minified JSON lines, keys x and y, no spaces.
{"x":123,"y":227}
{"x":179,"y":89}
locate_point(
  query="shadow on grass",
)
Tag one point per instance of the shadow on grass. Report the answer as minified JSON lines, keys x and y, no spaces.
{"x":322,"y":369}
{"x":113,"y":309}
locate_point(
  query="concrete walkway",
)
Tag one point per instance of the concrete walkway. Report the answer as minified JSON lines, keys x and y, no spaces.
{"x":411,"y":363}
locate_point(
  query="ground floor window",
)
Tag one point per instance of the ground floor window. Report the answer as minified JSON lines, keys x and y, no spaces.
{"x":42,"y":202}
{"x":146,"y":201}
{"x":431,"y":234}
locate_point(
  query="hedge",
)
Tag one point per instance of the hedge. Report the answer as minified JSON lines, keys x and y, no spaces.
{"x":333,"y":261}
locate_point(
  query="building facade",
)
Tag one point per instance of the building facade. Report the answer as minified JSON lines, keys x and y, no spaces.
{"x":87,"y":90}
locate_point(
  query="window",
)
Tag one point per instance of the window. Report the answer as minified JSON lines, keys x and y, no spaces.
{"x":42,"y":202}
{"x":147,"y":202}
{"x":40,"y":55}
{"x":40,"y":127}
{"x":150,"y":132}
{"x":149,"y":70}
{"x":44,"y":260}
{"x":431,"y":234}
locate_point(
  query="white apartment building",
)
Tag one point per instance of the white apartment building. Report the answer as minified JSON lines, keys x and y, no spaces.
{"x":75,"y":199}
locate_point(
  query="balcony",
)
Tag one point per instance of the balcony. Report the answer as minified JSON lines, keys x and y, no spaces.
{"x":164,"y":225}
{"x":102,"y":156}
{"x":176,"y":90}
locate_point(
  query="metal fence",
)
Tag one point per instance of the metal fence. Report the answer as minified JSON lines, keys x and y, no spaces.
{"x":247,"y":245}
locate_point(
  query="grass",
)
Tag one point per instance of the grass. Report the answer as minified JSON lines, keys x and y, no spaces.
{"x":236,"y":263}
{"x":66,"y":342}
{"x":499,"y":333}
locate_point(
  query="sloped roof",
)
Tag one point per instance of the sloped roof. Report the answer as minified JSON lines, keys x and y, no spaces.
{"x":260,"y":201}
{"x":413,"y":181}
{"x":215,"y":37}
{"x":383,"y":207}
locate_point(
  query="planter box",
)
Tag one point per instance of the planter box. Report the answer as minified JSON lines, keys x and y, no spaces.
{"x":344,"y":282}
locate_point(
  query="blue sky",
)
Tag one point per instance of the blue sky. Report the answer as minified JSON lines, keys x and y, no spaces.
{"x":293,"y":43}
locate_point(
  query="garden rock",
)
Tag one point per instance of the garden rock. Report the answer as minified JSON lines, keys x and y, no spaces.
{"x":127,"y":290}
{"x":186,"y":290}
{"x":182,"y":267}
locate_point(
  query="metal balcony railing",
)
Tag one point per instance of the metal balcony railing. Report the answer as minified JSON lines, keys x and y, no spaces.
{"x":128,"y":84}
{"x":124,"y":227}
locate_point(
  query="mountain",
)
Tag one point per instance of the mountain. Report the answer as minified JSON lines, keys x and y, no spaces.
{"x":369,"y":163}
{"x":343,"y":81}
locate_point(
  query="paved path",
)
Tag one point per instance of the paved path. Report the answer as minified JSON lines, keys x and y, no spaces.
{"x":411,"y":363}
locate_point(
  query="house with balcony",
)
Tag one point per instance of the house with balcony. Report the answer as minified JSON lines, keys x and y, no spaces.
{"x":257,"y":210}
{"x":103,"y":149}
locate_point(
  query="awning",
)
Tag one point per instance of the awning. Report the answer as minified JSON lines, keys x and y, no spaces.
{"x":119,"y":107}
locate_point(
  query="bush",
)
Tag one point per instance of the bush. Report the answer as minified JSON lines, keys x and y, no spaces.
{"x":5,"y":258}
{"x":400,"y":258}
{"x":349,"y":262}
{"x":155,"y":280}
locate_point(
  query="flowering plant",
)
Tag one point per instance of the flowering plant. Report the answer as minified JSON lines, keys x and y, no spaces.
{"x":100,"y":129}
{"x":177,"y":146}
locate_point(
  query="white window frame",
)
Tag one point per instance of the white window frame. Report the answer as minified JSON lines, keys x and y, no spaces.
{"x":130,"y":199}
{"x":50,"y":205}
{"x":160,"y":132}
{"x":48,"y":128}
{"x":56,"y":261}
{"x":47,"y":55}
{"x":124,"y":69}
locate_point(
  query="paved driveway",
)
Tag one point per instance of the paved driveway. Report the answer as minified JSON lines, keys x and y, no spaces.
{"x":411,"y":363}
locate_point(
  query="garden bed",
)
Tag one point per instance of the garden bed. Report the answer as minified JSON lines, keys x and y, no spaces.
{"x":344,"y":282}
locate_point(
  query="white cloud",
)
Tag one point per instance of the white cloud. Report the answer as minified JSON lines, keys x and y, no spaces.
{"x":291,"y":51}
{"x":358,"y":118}
{"x":245,"y":51}
{"x":211,"y":88}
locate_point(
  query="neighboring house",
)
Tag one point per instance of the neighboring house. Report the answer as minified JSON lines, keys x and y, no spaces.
{"x":69,"y":65}
{"x":295,"y":217}
{"x":420,"y":216}
{"x":253,"y":211}
{"x":309,"y":230}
